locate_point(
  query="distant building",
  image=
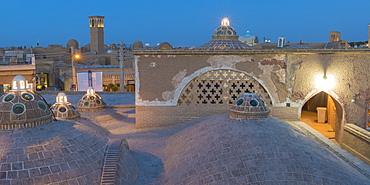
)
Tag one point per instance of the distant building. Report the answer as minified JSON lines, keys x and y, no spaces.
{"x":52,"y":66}
{"x":249,"y":39}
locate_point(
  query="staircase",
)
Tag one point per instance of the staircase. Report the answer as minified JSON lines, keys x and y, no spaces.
{"x":110,"y":163}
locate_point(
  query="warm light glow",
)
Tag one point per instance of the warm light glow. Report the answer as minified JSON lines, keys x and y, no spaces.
{"x":90,"y":91}
{"x":14,"y":85}
{"x":325,"y":84}
{"x":77,"y":56}
{"x":62,"y":98}
{"x":22,"y":84}
{"x":225,"y":22}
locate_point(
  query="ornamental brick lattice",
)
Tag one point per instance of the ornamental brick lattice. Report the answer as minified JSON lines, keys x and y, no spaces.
{"x":220,"y":87}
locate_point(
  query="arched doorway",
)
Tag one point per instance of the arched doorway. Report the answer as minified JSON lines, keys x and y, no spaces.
{"x":324,"y":114}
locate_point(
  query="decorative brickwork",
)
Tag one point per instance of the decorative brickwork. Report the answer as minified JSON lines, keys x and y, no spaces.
{"x":220,"y":87}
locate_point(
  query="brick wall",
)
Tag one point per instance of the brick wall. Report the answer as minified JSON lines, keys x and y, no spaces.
{"x":127,"y":167}
{"x":356,"y":140}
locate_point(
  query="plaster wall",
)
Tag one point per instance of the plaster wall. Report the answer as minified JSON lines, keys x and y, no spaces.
{"x":288,"y":77}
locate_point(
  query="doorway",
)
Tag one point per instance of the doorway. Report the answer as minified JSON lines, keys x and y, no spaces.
{"x":324,"y":114}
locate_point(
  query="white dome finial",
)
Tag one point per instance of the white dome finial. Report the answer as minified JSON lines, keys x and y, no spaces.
{"x":19,"y":83}
{"x":225,"y":22}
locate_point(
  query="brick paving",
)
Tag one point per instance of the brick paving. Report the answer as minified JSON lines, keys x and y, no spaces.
{"x":212,"y":150}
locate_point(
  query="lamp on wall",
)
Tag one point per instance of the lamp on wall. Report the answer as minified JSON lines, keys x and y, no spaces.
{"x":325,"y":82}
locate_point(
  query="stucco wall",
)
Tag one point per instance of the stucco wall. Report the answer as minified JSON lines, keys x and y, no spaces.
{"x":288,"y":77}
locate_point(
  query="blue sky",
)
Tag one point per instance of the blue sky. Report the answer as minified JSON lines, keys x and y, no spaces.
{"x":180,"y":22}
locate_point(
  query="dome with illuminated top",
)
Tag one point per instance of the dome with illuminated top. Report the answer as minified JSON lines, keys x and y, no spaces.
{"x":225,"y":37}
{"x":62,"y":109}
{"x":22,"y":108}
{"x":91,"y":101}
{"x":225,"y":28}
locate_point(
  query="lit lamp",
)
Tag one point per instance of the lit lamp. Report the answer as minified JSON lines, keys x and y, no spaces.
{"x":74,"y":74}
{"x":325,"y":82}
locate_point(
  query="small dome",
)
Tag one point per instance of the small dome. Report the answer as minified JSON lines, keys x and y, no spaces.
{"x":249,"y":106}
{"x":91,"y":101}
{"x":62,"y":109}
{"x":225,"y":28}
{"x":22,"y":108}
{"x":225,"y":37}
{"x":113,"y":47}
{"x":138,"y":44}
{"x":73,"y":43}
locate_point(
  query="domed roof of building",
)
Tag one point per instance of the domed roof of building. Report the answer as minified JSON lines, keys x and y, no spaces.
{"x":249,"y":106}
{"x":63,"y":152}
{"x":220,"y":150}
{"x":62,"y":109}
{"x":22,"y":108}
{"x":137,"y":44}
{"x":113,"y":46}
{"x":72,"y":42}
{"x":91,"y":101}
{"x":225,"y":28}
{"x":225,"y":37}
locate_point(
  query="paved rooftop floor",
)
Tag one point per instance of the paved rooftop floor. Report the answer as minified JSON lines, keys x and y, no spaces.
{"x":149,"y":145}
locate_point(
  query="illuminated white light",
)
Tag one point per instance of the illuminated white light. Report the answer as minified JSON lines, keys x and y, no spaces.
{"x":22,"y":85}
{"x":90,"y":91}
{"x":14,"y":85}
{"x":62,"y":98}
{"x":225,"y":22}
{"x":325,"y":84}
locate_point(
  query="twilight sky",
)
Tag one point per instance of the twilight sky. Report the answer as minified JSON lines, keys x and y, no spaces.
{"x":180,"y":22}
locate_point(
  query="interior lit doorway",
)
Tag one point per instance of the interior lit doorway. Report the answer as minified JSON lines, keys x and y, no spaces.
{"x":324,"y":114}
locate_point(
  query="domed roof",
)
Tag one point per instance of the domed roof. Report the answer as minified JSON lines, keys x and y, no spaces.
{"x":22,"y":108}
{"x":225,"y":37}
{"x":225,"y":28}
{"x":62,"y":152}
{"x":113,"y":46}
{"x":62,"y":109}
{"x":249,"y":106}
{"x":72,"y":42}
{"x":91,"y":101}
{"x":137,"y":44}
{"x":220,"y":150}
{"x":225,"y":44}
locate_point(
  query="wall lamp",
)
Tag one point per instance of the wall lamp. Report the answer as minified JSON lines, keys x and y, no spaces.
{"x":325,"y":82}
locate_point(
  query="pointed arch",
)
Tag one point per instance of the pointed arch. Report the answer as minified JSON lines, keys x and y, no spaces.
{"x":334,"y":112}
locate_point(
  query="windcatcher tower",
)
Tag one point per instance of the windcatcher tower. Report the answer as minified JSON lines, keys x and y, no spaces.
{"x":96,"y":34}
{"x":334,"y":36}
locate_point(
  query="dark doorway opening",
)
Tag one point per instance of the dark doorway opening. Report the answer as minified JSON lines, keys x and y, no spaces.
{"x":324,"y":114}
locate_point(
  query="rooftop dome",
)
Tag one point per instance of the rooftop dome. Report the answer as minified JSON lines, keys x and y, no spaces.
{"x":22,"y":108}
{"x":62,"y":109}
{"x":91,"y":101}
{"x":225,"y":37}
{"x":220,"y":150}
{"x":72,"y":42}
{"x":249,"y":106}
{"x":137,"y":45}
{"x":62,"y":152}
{"x":225,"y":28}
